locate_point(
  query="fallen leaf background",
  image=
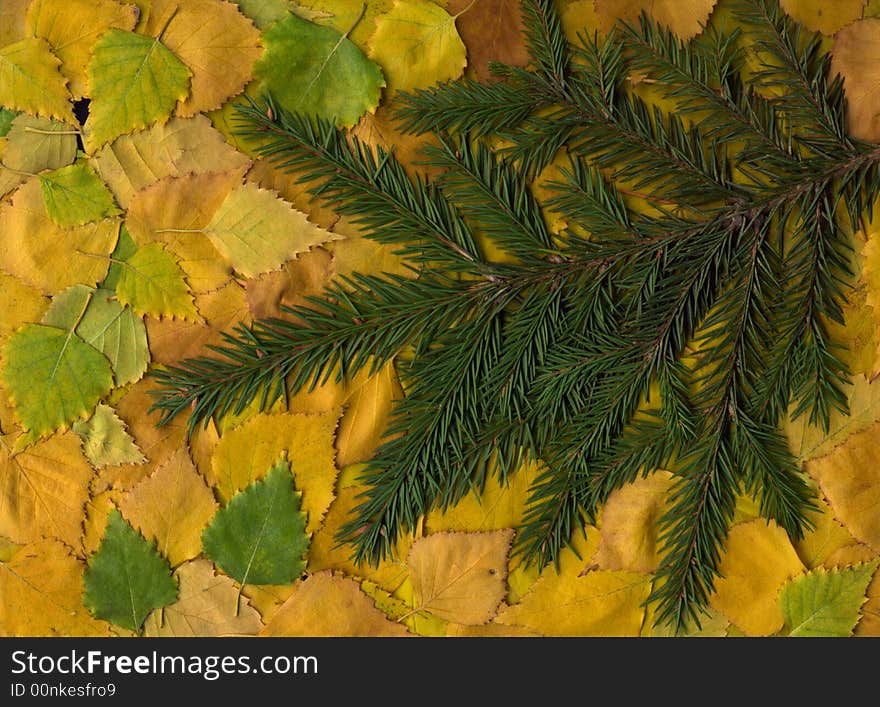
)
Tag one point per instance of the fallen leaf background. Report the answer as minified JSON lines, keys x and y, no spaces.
{"x":132,"y":240}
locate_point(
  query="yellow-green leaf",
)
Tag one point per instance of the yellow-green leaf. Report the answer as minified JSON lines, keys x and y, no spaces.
{"x":75,"y":195}
{"x":33,"y":145}
{"x":105,"y":440}
{"x":134,"y":81}
{"x":417,"y":45}
{"x":30,"y":80}
{"x":153,"y":283}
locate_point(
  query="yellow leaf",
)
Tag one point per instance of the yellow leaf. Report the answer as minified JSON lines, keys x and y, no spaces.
{"x":460,"y":576}
{"x":246,"y":453}
{"x":157,"y":443}
{"x":809,"y":442}
{"x":180,"y":146}
{"x":826,"y":538}
{"x":856,"y":57}
{"x":288,"y":186}
{"x":47,"y":256}
{"x":819,"y":16}
{"x":305,"y":276}
{"x":172,"y":340}
{"x":869,"y":624}
{"x":327,"y":605}
{"x":32,"y":146}
{"x":593,"y":603}
{"x":216,"y":42}
{"x":8,"y":549}
{"x":628,"y":528}
{"x":490,"y":630}
{"x":366,"y":416}
{"x":171,"y":506}
{"x":41,"y":588}
{"x":205,"y":606}
{"x":71,"y":27}
{"x":686,"y":19}
{"x":257,"y":232}
{"x":859,"y":334}
{"x":849,"y":555}
{"x":850,"y":479}
{"x":98,"y":508}
{"x":43,"y":490}
{"x":173,"y":211}
{"x":417,"y":45}
{"x":30,"y":80}
{"x":12,"y":21}
{"x":381,"y":129}
{"x":326,"y":554}
{"x":579,"y":17}
{"x":499,"y":505}
{"x":757,"y":561}
{"x":19,"y":303}
{"x":712,"y":625}
{"x":268,"y":598}
{"x":357,"y":253}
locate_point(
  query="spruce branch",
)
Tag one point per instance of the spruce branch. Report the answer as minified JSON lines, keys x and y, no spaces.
{"x":675,"y":321}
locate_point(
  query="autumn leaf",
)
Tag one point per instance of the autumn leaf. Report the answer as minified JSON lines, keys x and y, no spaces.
{"x":12,"y":21}
{"x":686,"y":19}
{"x":71,"y":27}
{"x":825,"y":603}
{"x":264,"y":13}
{"x":417,"y":45}
{"x":818,"y":16}
{"x":214,"y":40}
{"x":134,"y":81}
{"x":105,"y":440}
{"x":176,"y":148}
{"x":460,"y":576}
{"x":291,"y":285}
{"x":53,"y":377}
{"x":757,"y":561}
{"x":30,"y":80}
{"x":331,"y":78}
{"x":171,"y":506}
{"x":43,"y":490}
{"x":259,"y":536}
{"x":850,"y":479}
{"x":152,"y":283}
{"x":202,"y":607}
{"x":102,"y":322}
{"x":855,"y":57}
{"x":41,"y":586}
{"x":126,"y":578}
{"x":328,"y":605}
{"x":823,"y":539}
{"x":74,"y":196}
{"x":97,"y":513}
{"x":19,"y":303}
{"x":492,"y":30}
{"x":32,"y":146}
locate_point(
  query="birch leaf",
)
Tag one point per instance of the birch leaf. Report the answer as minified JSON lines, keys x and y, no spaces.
{"x":105,"y":440}
{"x":855,"y":57}
{"x":315,"y":70}
{"x":30,"y":80}
{"x":460,"y":577}
{"x":492,"y":30}
{"x":32,"y":146}
{"x":71,"y":27}
{"x":820,"y":17}
{"x":19,"y":303}
{"x":126,"y":578}
{"x":686,"y":19}
{"x":12,"y":21}
{"x":825,"y":602}
{"x":417,"y":45}
{"x":134,"y":81}
{"x":204,"y":607}
{"x":74,"y":196}
{"x":259,"y":536}
{"x":152,"y":282}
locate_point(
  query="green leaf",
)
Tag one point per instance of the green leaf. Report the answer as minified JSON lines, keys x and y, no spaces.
{"x":53,"y":377}
{"x":126,"y":578}
{"x":105,"y":441}
{"x":114,"y":330}
{"x":265,"y":12}
{"x":75,"y":195}
{"x":6,"y":118}
{"x":134,"y":82}
{"x":314,"y":70}
{"x":825,"y":602}
{"x":125,"y":248}
{"x":153,"y":283}
{"x":259,"y":536}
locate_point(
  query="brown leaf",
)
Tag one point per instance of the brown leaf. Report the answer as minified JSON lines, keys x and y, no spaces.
{"x":492,"y":30}
{"x":856,"y":57}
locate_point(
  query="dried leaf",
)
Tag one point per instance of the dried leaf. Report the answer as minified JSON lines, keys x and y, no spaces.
{"x":19,"y":303}
{"x":32,"y":146}
{"x":856,"y":56}
{"x":306,"y":276}
{"x":30,"y":80}
{"x":820,"y":17}
{"x":686,"y":19}
{"x":105,"y":440}
{"x":326,"y":605}
{"x":492,"y":30}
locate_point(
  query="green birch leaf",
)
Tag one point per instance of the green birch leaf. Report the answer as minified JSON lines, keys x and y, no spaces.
{"x":53,"y":377}
{"x":152,"y":282}
{"x":105,"y":441}
{"x":259,"y":536}
{"x":825,"y":602}
{"x":115,"y":330}
{"x":265,"y":12}
{"x":6,"y":118}
{"x":126,"y":578}
{"x":134,"y":81}
{"x":75,"y":195}
{"x":125,"y":248}
{"x":315,"y":70}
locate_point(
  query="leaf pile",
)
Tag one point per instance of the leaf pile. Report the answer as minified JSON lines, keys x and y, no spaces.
{"x":136,"y":228}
